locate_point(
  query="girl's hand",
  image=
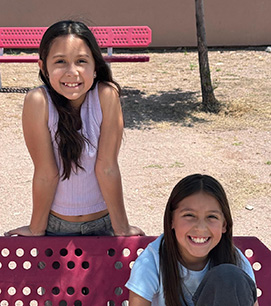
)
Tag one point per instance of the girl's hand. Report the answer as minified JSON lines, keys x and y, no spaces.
{"x":23,"y":231}
{"x":130,"y":231}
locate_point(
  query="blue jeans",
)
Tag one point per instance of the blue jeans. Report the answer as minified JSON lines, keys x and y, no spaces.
{"x":99,"y":227}
{"x":226,"y":285}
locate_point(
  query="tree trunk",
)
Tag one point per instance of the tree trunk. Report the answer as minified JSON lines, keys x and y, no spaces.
{"x":208,"y":98}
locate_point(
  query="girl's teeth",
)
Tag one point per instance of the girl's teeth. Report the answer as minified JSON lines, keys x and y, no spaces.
{"x":71,"y":85}
{"x":199,"y":240}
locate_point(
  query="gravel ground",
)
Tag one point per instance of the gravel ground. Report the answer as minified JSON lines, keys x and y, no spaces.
{"x":167,"y":136}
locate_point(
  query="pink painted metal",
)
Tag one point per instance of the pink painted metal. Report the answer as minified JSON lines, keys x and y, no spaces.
{"x":109,"y":59}
{"x":118,"y":37}
{"x":89,"y":270}
{"x":67,"y":270}
{"x":259,"y":257}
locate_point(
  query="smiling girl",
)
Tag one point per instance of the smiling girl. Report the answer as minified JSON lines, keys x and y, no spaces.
{"x":194,"y":262}
{"x":73,"y":127}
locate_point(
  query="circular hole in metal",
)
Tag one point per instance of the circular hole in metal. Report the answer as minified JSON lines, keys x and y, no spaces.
{"x":78,"y":252}
{"x":11,"y":291}
{"x":55,"y":291}
{"x":19,"y":303}
{"x":70,"y":264}
{"x":49,"y":252}
{"x":110,"y":303}
{"x":111,"y":252}
{"x":85,"y":291}
{"x":56,"y":265}
{"x":139,"y":251}
{"x":257,"y":266}
{"x":41,"y":265}
{"x":26,"y":265}
{"x":63,"y":303}
{"x":40,"y":291}
{"x":259,"y":292}
{"x":12,"y":265}
{"x":26,"y":291}
{"x":4,"y":303}
{"x":33,"y":303}
{"x":77,"y":303}
{"x":131,"y":264}
{"x":118,"y":265}
{"x":20,"y":252}
{"x":34,"y":252}
{"x":85,"y":264}
{"x":249,"y":253}
{"x":70,"y":290}
{"x":126,"y":252}
{"x":5,"y":252}
{"x":63,"y":252}
{"x":118,"y":291}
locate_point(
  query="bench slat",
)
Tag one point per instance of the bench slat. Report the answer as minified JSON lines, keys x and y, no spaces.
{"x":109,"y":59}
{"x":117,"y":37}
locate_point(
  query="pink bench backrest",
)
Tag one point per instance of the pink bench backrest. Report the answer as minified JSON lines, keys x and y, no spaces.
{"x":88,"y":270}
{"x":130,"y":36}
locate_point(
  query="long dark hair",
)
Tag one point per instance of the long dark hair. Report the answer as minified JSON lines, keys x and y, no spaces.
{"x":223,"y":252}
{"x":70,"y":141}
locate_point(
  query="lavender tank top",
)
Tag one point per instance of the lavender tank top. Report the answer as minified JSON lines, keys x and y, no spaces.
{"x":80,"y":194}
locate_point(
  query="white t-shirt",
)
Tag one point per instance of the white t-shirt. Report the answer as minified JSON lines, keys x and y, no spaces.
{"x":145,"y":282}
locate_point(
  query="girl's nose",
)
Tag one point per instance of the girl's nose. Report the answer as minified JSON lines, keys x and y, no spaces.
{"x":200,"y":225}
{"x":72,"y":70}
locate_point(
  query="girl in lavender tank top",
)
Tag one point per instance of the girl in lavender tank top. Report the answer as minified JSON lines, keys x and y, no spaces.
{"x":73,"y":128}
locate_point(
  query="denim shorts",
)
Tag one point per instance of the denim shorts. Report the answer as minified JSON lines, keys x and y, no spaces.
{"x":99,"y":227}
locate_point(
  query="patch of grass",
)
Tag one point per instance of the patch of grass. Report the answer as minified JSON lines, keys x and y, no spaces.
{"x":177,"y":165}
{"x":193,"y":66}
{"x":156,"y":166}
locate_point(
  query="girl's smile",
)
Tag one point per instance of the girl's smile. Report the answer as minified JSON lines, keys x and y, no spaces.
{"x":198,"y":223}
{"x":71,"y":68}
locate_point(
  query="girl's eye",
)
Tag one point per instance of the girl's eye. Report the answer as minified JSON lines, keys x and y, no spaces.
{"x":60,"y":62}
{"x":82,"y":61}
{"x":213,"y":217}
{"x":189,"y":215}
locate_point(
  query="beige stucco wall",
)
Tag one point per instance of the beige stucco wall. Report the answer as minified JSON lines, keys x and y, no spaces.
{"x":228,"y":22}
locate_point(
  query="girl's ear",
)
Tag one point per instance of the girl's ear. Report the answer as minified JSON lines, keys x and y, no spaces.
{"x":40,"y":62}
{"x":224,"y":227}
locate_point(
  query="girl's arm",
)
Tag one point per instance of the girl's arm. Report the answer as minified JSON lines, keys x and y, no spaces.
{"x":107,"y":168}
{"x":137,"y":300}
{"x":256,"y":303}
{"x":45,"y":179}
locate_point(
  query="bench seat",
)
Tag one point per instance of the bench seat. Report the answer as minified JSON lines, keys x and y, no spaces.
{"x":107,"y":37}
{"x":84,"y":271}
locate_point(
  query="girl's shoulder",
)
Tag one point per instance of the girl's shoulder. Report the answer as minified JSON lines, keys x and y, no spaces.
{"x":244,"y":264}
{"x":153,"y":247}
{"x":36,"y":102}
{"x":108,"y":91}
{"x":36,"y":97}
{"x":109,"y":100}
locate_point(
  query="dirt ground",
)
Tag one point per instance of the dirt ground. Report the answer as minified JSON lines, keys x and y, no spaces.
{"x":167,"y":136}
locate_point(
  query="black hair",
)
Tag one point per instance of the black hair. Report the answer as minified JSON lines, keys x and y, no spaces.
{"x":170,"y":257}
{"x":70,"y":142}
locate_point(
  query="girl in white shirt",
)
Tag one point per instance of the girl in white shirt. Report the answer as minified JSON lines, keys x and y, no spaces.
{"x":194,"y":262}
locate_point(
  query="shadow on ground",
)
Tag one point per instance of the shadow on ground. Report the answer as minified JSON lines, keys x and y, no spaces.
{"x":174,"y":106}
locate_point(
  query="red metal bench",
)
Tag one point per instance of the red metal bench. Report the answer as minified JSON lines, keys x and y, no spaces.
{"x":88,"y":271}
{"x":107,"y":37}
